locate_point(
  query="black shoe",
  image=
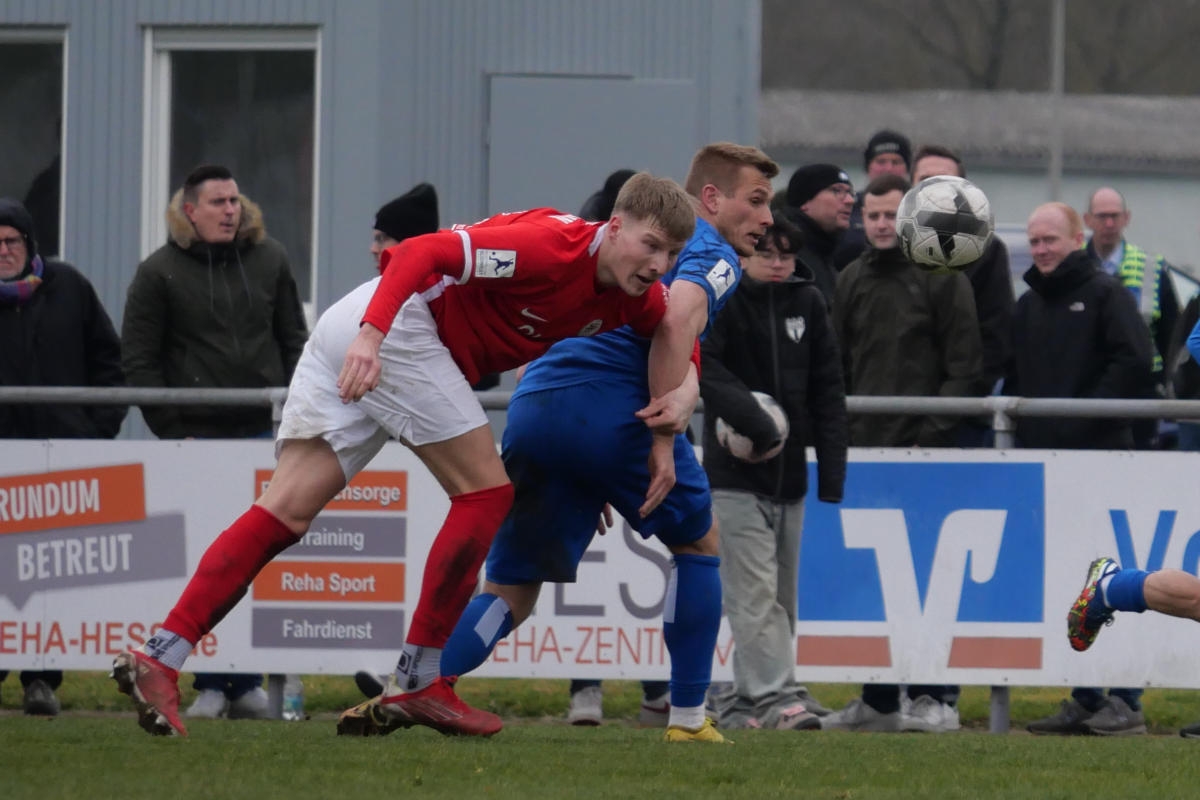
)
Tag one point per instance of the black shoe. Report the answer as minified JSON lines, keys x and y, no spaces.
{"x":1190,"y":731}
{"x":370,"y":684}
{"x":40,"y":700}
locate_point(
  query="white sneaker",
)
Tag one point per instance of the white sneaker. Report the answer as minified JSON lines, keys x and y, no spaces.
{"x":586,"y":708}
{"x":928,"y":715}
{"x":858,"y":716}
{"x":251,"y":705}
{"x":210,"y":704}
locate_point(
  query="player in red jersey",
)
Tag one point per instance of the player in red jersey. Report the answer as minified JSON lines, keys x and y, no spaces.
{"x":449,"y":306}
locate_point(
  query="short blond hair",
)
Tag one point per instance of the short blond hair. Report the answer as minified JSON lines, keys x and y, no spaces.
{"x":719,"y":164}
{"x":1074,"y":223}
{"x":659,"y":201}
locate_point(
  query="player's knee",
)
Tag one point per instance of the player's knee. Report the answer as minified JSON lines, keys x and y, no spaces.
{"x":481,"y":512}
{"x":521,"y":598}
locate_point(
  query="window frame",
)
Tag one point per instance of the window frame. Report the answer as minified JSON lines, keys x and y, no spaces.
{"x":61,"y":37}
{"x":159,"y":43}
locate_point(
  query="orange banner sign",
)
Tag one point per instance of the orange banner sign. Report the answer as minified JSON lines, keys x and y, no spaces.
{"x":71,"y":498}
{"x":370,"y":490}
{"x":331,"y":581}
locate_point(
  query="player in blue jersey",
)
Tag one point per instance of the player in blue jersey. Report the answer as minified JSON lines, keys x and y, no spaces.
{"x":574,"y":443}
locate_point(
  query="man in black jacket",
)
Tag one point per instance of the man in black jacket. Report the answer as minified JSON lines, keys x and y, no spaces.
{"x":1078,"y":333}
{"x":54,"y":333}
{"x":774,"y":336}
{"x":819,"y":200}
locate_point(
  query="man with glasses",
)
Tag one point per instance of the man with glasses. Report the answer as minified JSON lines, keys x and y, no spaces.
{"x":819,"y":200}
{"x":1147,"y":277}
{"x":55,"y":333}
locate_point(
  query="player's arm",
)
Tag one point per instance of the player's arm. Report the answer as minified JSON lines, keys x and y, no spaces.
{"x":405,"y":268}
{"x":674,"y":382}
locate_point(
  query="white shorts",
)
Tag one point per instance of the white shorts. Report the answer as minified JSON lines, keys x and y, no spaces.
{"x":422,"y":395}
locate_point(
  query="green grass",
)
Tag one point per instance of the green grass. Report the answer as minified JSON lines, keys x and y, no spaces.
{"x":83,"y":753}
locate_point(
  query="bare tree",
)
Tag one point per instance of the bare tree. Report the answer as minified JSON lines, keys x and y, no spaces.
{"x":1113,"y":46}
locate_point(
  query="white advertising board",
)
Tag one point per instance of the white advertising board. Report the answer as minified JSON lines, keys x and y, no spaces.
{"x":939,"y":567}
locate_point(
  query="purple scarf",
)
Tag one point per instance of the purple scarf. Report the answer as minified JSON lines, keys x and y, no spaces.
{"x":17,"y":291}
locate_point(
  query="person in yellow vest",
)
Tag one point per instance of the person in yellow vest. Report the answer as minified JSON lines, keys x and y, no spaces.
{"x":1146,"y":276}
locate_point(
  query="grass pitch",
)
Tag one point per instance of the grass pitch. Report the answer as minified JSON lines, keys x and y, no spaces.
{"x":94,"y":749}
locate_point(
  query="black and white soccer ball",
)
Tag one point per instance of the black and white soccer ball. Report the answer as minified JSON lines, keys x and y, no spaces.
{"x":740,"y":446}
{"x":944,"y":223}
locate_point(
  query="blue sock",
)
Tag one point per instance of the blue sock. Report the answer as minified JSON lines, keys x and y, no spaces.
{"x":485,"y":621}
{"x":1126,"y":591}
{"x":691,"y":621}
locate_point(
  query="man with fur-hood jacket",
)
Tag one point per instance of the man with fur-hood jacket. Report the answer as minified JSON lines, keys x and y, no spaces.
{"x":216,"y":306}
{"x":773,"y":336}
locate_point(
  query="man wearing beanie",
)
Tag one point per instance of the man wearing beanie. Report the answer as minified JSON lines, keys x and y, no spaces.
{"x":411,"y":214}
{"x":887,"y":153}
{"x":819,"y":198}
{"x":55,"y":333}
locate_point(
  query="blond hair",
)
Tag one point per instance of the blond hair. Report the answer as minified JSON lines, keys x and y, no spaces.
{"x":719,"y":164}
{"x":660,"y":202}
{"x":1074,"y":223}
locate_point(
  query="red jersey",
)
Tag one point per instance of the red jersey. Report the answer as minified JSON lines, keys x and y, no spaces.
{"x":503,"y":290}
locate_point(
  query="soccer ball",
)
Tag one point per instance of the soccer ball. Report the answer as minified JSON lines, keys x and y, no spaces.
{"x":944,"y":223}
{"x":741,"y":447}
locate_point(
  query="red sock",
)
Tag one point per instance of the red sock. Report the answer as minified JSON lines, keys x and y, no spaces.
{"x":226,"y":570}
{"x":452,"y":569}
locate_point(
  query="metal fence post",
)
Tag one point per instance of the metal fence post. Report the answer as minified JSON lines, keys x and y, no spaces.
{"x":1004,"y":426}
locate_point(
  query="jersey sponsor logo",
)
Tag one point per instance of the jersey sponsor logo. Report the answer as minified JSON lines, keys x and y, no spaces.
{"x":1076,"y":306}
{"x":525,"y":312}
{"x":495,"y":263}
{"x":591,"y":328}
{"x":721,"y":277}
{"x":565,"y":219}
{"x":795,"y":328}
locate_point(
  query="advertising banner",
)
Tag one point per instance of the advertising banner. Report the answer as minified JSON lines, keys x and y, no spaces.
{"x":938,"y":567}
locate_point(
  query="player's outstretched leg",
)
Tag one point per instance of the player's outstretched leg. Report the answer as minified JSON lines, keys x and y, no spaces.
{"x":1109,"y":588}
{"x":418,"y":692}
{"x":149,"y":674}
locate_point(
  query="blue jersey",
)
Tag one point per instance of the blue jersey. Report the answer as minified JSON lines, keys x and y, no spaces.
{"x":707,"y":260}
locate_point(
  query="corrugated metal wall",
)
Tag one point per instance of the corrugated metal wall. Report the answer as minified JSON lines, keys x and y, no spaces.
{"x":403,"y":98}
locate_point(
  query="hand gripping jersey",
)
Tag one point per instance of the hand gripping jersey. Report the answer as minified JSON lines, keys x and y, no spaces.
{"x":706,"y":260}
{"x":503,"y":290}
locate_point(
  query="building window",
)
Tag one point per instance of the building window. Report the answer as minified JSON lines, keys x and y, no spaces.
{"x":247,"y":100}
{"x":31,"y":61}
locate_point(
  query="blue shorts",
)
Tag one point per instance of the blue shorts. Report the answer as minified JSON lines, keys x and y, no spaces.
{"x":570,"y":450}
